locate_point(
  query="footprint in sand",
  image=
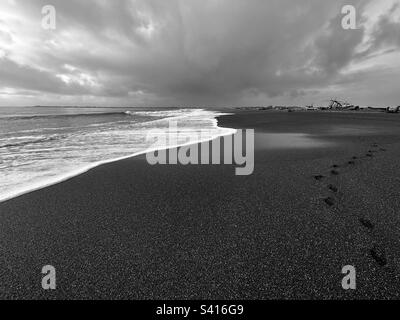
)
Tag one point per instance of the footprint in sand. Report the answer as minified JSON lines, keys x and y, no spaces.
{"x":333,"y":188}
{"x":379,"y":256}
{"x":367,"y":223}
{"x":329,"y":201}
{"x":334,"y":172}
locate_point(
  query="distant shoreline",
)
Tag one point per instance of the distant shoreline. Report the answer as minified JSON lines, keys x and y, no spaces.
{"x":324,"y":109}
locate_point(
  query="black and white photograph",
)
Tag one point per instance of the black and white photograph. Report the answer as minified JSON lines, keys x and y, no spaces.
{"x":220,"y":151}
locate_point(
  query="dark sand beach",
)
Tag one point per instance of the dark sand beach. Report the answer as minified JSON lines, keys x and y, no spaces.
{"x":128,"y":230}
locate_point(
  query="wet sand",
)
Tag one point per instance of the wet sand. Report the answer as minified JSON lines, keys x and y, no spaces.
{"x":324,"y":194}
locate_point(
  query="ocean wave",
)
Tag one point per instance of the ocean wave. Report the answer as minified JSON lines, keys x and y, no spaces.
{"x":155,"y":113}
{"x":28,"y":142}
{"x":168,"y":113}
{"x":56,"y":116}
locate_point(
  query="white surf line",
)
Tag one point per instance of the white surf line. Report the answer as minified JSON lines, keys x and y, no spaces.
{"x":72,"y":174}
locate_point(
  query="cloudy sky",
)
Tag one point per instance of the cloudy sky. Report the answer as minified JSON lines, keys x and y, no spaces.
{"x":199,"y":53}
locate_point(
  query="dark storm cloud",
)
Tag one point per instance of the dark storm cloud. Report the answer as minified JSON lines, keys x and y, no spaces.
{"x":13,"y":75}
{"x":387,"y":32}
{"x":336,"y":48}
{"x":191,"y":52}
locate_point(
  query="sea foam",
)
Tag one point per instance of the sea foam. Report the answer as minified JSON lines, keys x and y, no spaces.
{"x":62,"y":146}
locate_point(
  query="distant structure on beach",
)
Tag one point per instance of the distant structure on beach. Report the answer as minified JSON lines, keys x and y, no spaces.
{"x":342,"y":105}
{"x":334,"y":105}
{"x":393,"y":109}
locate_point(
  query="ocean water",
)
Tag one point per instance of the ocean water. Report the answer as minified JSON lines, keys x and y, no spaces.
{"x":40,"y":146}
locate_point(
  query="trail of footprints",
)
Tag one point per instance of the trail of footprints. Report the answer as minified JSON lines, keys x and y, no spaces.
{"x":377,"y":253}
